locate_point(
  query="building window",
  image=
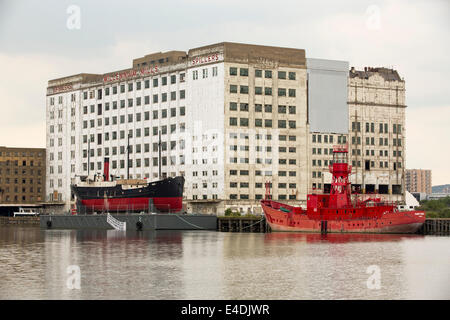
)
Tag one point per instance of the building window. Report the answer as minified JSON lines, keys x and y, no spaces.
{"x":243,"y":72}
{"x":244,"y":89}
{"x":291,"y":92}
{"x":233,"y":71}
{"x":267,"y":74}
{"x":244,"y":122}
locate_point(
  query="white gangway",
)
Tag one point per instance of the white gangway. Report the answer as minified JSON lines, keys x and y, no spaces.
{"x":116,"y":224}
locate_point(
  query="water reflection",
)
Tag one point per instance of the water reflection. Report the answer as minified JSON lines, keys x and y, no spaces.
{"x":214,"y":265}
{"x":336,"y":237}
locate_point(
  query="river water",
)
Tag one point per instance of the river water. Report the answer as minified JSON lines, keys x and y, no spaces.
{"x":49,"y":264}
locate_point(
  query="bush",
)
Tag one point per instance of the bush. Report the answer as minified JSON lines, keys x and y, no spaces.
{"x":436,"y":208}
{"x":231,"y":213}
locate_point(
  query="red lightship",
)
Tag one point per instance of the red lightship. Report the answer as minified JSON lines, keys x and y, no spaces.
{"x":335,"y":212}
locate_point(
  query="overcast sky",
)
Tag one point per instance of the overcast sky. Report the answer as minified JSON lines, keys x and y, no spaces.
{"x":413,"y":37}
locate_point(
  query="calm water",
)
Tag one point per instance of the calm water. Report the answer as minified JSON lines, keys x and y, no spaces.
{"x":213,"y":265}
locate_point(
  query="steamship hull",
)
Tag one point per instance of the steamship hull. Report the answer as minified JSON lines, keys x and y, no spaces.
{"x":392,"y":222}
{"x":166,"y":195}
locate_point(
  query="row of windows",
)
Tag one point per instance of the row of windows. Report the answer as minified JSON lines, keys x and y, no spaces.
{"x":382,"y":141}
{"x":266,"y":161}
{"x":23,"y":190}
{"x":382,"y":127}
{"x":138,"y":148}
{"x":8,"y":171}
{"x":163,"y":114}
{"x":204,"y":197}
{"x":51,"y":183}
{"x":61,"y":99}
{"x":18,"y":181}
{"x":261,"y":148}
{"x":60,"y":114}
{"x":325,"y":151}
{"x":244,"y":122}
{"x":138,"y":163}
{"x":131,"y":102}
{"x":22,"y":154}
{"x":318,"y":162}
{"x":260,"y":136}
{"x":131,"y":86}
{"x":258,"y":90}
{"x":243,"y":72}
{"x":138,"y":133}
{"x":259,"y":108}
{"x":260,"y":196}
{"x":23,"y":163}
{"x":259,"y":173}
{"x":259,"y":185}
{"x":204,"y":73}
{"x":317,"y":138}
{"x":122,"y":149}
{"x":205,"y":185}
{"x":24,"y":198}
{"x":371,"y":164}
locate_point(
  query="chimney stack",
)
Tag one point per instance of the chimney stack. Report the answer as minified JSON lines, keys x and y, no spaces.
{"x":106,"y":170}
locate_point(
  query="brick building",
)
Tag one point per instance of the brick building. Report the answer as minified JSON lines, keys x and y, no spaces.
{"x":22,"y":175}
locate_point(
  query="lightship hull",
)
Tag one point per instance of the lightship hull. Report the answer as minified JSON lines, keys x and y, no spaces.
{"x":392,"y":222}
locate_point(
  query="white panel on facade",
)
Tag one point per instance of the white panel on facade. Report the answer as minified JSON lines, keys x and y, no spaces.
{"x":327,"y":95}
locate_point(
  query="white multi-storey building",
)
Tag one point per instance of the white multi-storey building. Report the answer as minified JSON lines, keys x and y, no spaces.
{"x":231,"y":117}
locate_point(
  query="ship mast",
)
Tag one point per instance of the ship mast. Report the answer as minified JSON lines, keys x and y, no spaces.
{"x":89,"y":155}
{"x":159,"y":154}
{"x":128,"y":157}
